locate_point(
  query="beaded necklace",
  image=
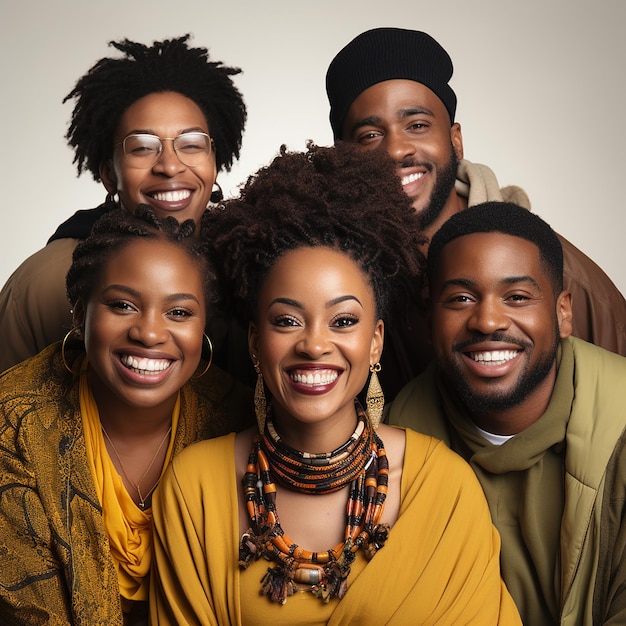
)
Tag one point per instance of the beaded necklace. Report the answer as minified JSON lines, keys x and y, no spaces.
{"x":360,"y":462}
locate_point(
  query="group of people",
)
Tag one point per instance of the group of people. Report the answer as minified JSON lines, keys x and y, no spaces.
{"x":179,"y":367}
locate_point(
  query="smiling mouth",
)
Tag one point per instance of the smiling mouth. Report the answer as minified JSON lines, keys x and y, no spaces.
{"x":144,"y":365}
{"x":493,"y":357}
{"x":411,"y":178}
{"x":172,"y":196}
{"x":312,"y":378}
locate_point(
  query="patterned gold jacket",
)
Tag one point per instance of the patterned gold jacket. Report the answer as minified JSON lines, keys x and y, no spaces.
{"x":55,"y":565}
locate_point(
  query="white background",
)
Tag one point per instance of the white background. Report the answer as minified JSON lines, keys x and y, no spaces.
{"x":540,"y":83}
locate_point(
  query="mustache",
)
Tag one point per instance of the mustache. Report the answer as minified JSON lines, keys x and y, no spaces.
{"x":409,"y":162}
{"x":495,"y":337}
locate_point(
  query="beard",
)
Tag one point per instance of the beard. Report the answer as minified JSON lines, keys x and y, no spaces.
{"x":446,"y":178}
{"x":480,"y":403}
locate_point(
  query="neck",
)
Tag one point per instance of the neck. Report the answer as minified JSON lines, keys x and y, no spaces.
{"x":318,"y":437}
{"x":123,"y":420}
{"x":454,"y":205}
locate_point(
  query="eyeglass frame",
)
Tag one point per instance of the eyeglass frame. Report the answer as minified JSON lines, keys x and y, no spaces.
{"x":161,"y":140}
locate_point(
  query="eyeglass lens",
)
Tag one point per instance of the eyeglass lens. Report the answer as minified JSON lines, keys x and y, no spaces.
{"x":143,"y":150}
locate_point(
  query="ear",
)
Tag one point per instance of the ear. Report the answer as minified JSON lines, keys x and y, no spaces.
{"x":564,"y":314}
{"x":78,"y":314}
{"x":378,"y":340}
{"x":253,"y":342}
{"x":457,"y":139}
{"x":108,"y":177}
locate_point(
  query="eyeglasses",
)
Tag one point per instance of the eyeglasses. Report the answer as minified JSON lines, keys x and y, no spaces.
{"x":143,"y":150}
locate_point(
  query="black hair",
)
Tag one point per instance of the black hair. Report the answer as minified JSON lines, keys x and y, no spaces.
{"x":113,"y":84}
{"x":506,"y":218}
{"x":339,"y":197}
{"x":116,"y":229}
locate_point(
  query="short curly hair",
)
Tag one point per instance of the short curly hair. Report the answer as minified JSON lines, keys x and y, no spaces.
{"x":506,"y":218}
{"x":338,"y":197}
{"x":113,"y":84}
{"x":118,"y":228}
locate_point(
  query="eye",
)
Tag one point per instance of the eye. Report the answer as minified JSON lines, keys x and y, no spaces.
{"x":142,"y":145}
{"x":285,"y":321}
{"x":457,"y":300}
{"x":518,"y":298}
{"x":344,"y":321}
{"x":367,"y":137}
{"x":121,"y":306}
{"x":180,"y":313}
{"x":192,"y":143}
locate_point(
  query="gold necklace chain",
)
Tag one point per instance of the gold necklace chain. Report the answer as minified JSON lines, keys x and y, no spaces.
{"x":142,"y":499}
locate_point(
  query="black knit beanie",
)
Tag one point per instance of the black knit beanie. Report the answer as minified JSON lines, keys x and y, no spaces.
{"x":385,"y":54}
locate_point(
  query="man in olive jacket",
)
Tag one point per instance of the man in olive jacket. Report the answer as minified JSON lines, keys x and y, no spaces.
{"x":538,"y":414}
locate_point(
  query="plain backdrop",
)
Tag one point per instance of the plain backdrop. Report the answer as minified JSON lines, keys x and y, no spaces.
{"x":540,"y":84}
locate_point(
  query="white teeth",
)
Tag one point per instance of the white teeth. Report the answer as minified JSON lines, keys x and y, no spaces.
{"x":411,"y":178}
{"x":144,"y":365}
{"x":172,"y":196}
{"x":319,"y":377}
{"x":494,"y":357}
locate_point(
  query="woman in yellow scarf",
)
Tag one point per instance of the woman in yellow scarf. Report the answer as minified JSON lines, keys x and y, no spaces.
{"x":322,"y":515}
{"x":88,"y":425}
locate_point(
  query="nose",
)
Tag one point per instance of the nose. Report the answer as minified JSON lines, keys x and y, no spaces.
{"x":488,"y":316}
{"x":398,"y":145}
{"x":149,"y":329}
{"x":168,"y":162}
{"x":314,"y":342}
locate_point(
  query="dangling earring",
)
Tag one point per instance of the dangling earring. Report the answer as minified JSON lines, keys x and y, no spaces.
{"x":260,"y":404}
{"x":375,"y":400}
{"x":74,"y":329}
{"x":206,"y":369}
{"x":217,"y":195}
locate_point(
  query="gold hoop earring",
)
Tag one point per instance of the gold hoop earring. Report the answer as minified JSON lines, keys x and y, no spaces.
{"x":74,"y":329}
{"x":375,"y":399}
{"x":206,"y":369}
{"x":260,"y":402}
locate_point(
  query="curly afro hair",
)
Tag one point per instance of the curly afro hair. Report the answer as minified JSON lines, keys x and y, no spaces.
{"x":118,"y":228}
{"x":113,"y":84}
{"x":338,"y":197}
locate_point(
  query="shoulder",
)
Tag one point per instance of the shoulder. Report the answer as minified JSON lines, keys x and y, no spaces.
{"x":437,"y":476}
{"x":203,"y":467}
{"x":608,"y":366}
{"x":43,"y":374}
{"x":52,"y":260}
{"x":208,"y":453}
{"x":582,"y":274}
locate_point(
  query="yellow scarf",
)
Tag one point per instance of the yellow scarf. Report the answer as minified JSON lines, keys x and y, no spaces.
{"x":129,"y":528}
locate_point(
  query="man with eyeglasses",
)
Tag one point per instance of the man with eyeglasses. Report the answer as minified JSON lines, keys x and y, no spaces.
{"x":155,"y":126}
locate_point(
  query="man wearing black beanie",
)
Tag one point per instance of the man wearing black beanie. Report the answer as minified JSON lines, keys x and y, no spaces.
{"x":389,"y":88}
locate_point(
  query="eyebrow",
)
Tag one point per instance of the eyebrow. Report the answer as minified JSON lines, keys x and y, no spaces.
{"x":136,"y":294}
{"x":299,"y":305}
{"x":149,"y":131}
{"x":509,"y":280}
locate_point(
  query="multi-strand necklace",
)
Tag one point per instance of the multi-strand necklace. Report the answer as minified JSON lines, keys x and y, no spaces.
{"x":142,"y":498}
{"x":361,"y":462}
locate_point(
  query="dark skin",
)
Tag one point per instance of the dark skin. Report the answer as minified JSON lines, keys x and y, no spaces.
{"x":345,"y":335}
{"x":496,"y":322}
{"x":408,"y":120}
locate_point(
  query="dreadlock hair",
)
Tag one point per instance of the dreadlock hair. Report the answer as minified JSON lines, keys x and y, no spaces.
{"x":338,"y":197}
{"x":118,"y":228}
{"x":506,"y":218}
{"x":113,"y":84}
